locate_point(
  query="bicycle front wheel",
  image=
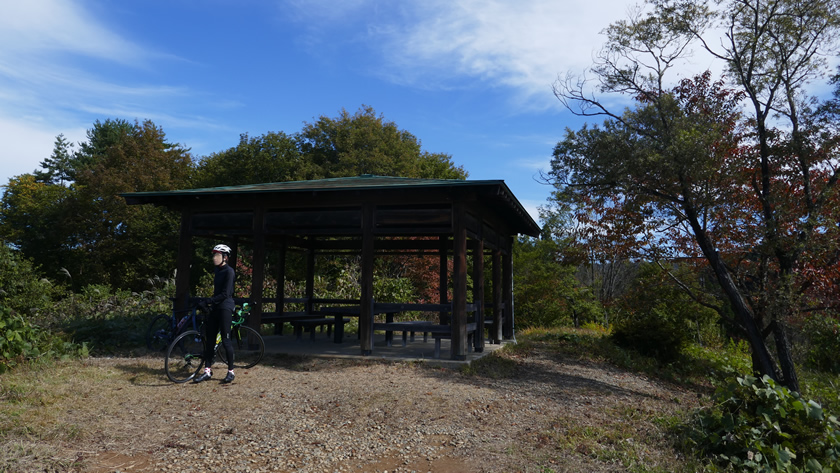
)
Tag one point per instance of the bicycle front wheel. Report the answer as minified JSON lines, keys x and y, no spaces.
{"x":185,"y":357}
{"x":248,"y":347}
{"x":159,"y":333}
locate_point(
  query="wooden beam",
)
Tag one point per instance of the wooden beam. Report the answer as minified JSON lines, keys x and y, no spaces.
{"x":406,"y":307}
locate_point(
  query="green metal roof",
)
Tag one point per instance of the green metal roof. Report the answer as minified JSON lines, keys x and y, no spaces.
{"x":365,"y":182}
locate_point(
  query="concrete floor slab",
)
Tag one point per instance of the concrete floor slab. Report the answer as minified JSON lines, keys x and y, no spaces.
{"x":413,"y":351}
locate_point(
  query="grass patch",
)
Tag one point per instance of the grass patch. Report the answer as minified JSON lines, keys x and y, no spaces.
{"x":496,"y":365}
{"x":58,"y":401}
{"x":26,"y":456}
{"x":618,"y":441}
{"x":691,"y":370}
{"x":823,"y":388}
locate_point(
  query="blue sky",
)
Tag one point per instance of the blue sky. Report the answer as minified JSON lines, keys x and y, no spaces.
{"x":470,"y":78}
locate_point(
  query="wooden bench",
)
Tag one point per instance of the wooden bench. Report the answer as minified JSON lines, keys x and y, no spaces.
{"x":300,"y":320}
{"x":408,"y":327}
{"x":310,"y":324}
{"x":438,"y":332}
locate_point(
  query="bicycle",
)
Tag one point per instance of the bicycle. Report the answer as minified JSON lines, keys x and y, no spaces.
{"x":164,"y":328}
{"x":185,"y":355}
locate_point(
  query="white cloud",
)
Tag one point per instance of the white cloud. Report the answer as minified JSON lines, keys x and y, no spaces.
{"x":520,"y":44}
{"x":523,"y":44}
{"x":62,"y":26}
{"x":26,"y":144}
{"x":53,"y":60}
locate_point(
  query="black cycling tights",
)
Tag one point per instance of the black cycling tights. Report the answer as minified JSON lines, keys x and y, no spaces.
{"x":218,"y":321}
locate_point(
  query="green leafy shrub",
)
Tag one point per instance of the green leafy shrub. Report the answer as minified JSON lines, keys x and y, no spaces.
{"x":657,"y":318}
{"x":821,"y":387}
{"x":655,"y":333}
{"x":546,"y":291}
{"x":704,"y":363}
{"x":112,"y":321}
{"x":822,"y":343}
{"x":757,"y":425}
{"x":23,"y":288}
{"x":22,"y":341}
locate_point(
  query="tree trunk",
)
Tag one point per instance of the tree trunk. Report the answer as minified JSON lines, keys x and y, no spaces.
{"x":791,"y":381}
{"x":762,"y":360}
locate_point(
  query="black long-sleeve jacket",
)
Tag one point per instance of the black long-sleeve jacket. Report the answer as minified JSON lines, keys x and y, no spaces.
{"x":223,"y":288}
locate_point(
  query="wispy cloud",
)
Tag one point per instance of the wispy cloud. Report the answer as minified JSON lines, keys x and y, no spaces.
{"x":60,"y":26}
{"x":522,"y":45}
{"x":537,"y":164}
{"x":51,"y":55}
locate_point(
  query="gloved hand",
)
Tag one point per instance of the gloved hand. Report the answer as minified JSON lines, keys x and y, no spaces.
{"x":202,"y":306}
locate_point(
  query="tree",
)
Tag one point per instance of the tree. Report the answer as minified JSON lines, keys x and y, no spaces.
{"x":349,"y":145}
{"x":657,"y":318}
{"x":272,"y":157}
{"x":601,"y":266}
{"x":85,"y":230}
{"x":57,"y":168}
{"x":34,"y":219}
{"x":114,"y":243}
{"x":100,"y":139}
{"x":364,"y":143}
{"x":684,"y":173}
{"x":546,"y":289}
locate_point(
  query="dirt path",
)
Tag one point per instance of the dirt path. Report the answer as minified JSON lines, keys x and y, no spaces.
{"x":309,"y":415}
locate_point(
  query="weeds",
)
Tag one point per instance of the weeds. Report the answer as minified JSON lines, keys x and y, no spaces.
{"x":495,"y":365}
{"x":757,"y":425}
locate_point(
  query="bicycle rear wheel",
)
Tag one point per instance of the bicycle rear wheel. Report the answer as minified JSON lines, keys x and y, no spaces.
{"x":159,"y":333}
{"x":248,"y":347}
{"x":185,"y":357}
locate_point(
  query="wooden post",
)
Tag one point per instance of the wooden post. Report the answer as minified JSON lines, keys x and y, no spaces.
{"x":366,"y":302}
{"x":498,"y":301}
{"x":234,"y":253}
{"x":258,"y":274}
{"x":459,"y":287}
{"x":281,"y":285}
{"x":444,"y":279}
{"x":182,"y":267}
{"x":507,"y":292}
{"x":310,"y":274}
{"x":478,"y":294}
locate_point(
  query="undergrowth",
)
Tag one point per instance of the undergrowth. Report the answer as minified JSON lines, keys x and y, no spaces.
{"x":749,"y":423}
{"x":24,"y":342}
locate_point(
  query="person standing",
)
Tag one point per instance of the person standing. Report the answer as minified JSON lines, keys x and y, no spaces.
{"x":221,"y":314}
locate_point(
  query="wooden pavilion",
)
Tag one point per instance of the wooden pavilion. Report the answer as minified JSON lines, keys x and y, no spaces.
{"x":368,"y":216}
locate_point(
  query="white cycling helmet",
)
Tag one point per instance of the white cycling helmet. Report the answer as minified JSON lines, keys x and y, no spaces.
{"x":224,"y":249}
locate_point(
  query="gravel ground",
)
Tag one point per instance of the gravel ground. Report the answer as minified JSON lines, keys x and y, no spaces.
{"x":316,"y":415}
